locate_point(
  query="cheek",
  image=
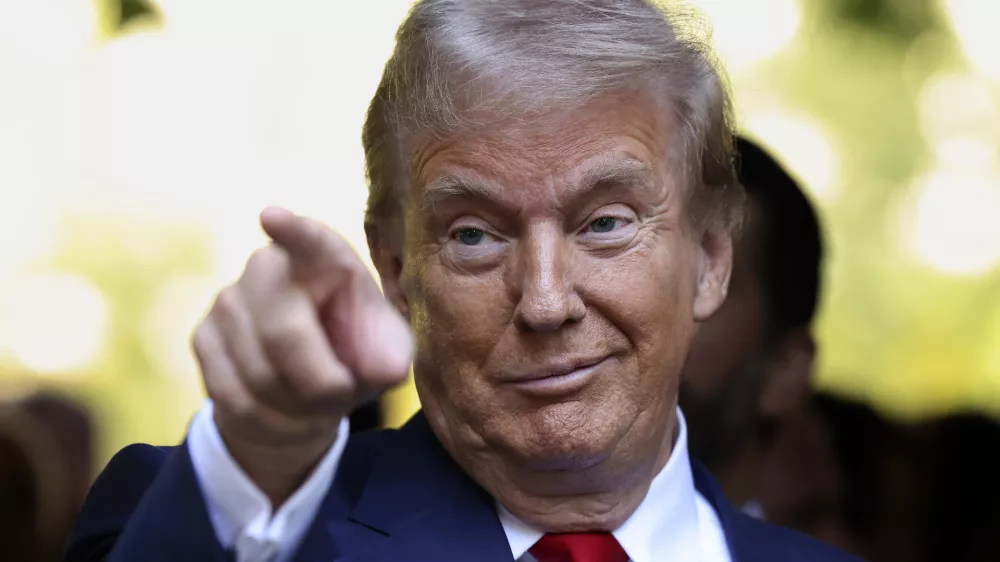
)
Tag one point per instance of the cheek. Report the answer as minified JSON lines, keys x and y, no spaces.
{"x":457,"y":321}
{"x":648,"y":297}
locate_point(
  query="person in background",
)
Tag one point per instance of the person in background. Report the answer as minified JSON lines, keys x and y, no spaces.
{"x":821,"y":474}
{"x":750,"y":366}
{"x":32,"y":488}
{"x":69,"y":424}
{"x":885,"y":490}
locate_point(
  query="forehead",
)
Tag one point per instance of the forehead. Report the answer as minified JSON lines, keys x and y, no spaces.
{"x":621,"y":135}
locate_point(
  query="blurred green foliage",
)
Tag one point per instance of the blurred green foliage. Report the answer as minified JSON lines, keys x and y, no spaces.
{"x":130,"y":11}
{"x":129,"y":259}
{"x":902,"y":20}
{"x":910,"y":339}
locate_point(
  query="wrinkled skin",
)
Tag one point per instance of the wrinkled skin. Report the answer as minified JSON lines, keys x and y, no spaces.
{"x":526,"y":246}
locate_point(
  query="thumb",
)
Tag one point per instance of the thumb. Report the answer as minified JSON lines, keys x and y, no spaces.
{"x":372,"y":338}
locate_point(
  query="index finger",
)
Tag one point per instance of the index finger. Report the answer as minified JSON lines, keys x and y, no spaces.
{"x":309,"y":243}
{"x":320,"y":258}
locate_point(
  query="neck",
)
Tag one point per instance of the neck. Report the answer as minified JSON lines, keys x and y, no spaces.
{"x":600,"y":497}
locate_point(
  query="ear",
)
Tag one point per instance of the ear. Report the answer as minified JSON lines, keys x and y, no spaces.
{"x":788,"y":375}
{"x":715,"y":266}
{"x":384,"y":243}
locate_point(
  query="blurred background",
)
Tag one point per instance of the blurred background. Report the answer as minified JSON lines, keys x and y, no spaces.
{"x":139,"y":139}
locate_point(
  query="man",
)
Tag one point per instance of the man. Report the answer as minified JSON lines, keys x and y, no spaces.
{"x":550,"y":207}
{"x":750,"y":366}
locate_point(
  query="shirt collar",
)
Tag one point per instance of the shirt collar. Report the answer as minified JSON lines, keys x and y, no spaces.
{"x":663,"y":527}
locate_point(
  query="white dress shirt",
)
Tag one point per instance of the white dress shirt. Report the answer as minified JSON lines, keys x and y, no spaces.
{"x":673,"y":523}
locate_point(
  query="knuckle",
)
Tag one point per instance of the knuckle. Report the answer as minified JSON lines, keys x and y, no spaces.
{"x":229,"y":301}
{"x":199,"y":339}
{"x":261,"y":380}
{"x":217,"y":388}
{"x":265,"y":262}
{"x":282,"y":333}
{"x":213,"y":388}
{"x":205,"y":344}
{"x":258,"y":257}
{"x":258,"y":376}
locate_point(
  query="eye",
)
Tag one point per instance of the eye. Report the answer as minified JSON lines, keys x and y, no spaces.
{"x":603,"y":224}
{"x":610,"y":225}
{"x":469,"y":236}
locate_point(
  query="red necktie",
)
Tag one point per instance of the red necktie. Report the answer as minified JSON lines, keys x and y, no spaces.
{"x":578,"y":547}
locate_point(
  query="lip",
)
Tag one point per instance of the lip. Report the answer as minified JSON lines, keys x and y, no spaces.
{"x":562,"y":377}
{"x":557,"y":369}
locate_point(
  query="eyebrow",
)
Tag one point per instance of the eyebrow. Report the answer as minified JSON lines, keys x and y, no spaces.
{"x":612,"y":171}
{"x":461,"y":185}
{"x":626,"y":172}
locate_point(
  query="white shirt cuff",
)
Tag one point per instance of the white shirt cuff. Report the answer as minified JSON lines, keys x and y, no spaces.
{"x":240,"y":512}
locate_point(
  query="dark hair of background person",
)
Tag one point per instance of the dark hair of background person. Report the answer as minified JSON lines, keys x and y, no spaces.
{"x":788,"y":239}
{"x":31,"y":486}
{"x":19,"y":501}
{"x":68,"y":427}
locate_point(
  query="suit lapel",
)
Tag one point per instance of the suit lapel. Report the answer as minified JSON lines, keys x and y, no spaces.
{"x":741,"y":544}
{"x":416,"y":504}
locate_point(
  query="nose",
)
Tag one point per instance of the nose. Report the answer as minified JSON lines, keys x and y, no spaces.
{"x":548,"y":296}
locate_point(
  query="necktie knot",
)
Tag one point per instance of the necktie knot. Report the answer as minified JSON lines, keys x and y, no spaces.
{"x":578,"y":547}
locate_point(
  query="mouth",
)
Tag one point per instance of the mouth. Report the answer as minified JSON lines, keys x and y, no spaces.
{"x":558,"y":378}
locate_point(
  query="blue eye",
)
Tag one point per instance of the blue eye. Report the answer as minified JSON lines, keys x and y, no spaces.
{"x":470,"y":236}
{"x":603,"y":224}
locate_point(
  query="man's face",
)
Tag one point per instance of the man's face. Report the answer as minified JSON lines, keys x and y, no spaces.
{"x":552,"y":277}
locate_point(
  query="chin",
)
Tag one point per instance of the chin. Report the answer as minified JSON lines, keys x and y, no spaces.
{"x":569,"y":436}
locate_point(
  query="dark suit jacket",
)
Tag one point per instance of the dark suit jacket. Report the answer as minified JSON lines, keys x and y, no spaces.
{"x":397,"y":497}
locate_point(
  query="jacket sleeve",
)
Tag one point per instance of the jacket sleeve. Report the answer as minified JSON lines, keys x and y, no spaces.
{"x":193,"y":502}
{"x":145,"y":505}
